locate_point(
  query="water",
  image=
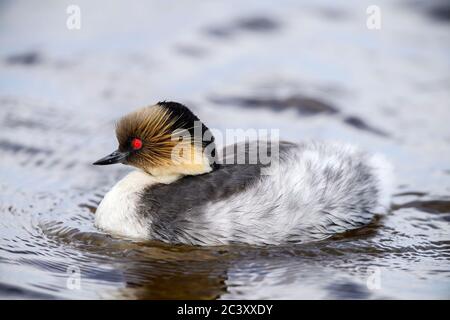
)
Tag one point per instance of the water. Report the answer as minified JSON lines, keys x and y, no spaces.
{"x":308,"y":69}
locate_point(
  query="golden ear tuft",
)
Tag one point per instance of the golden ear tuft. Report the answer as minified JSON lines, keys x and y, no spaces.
{"x":154,"y":126}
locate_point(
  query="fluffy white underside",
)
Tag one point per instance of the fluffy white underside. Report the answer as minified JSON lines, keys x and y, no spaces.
{"x":117,"y":213}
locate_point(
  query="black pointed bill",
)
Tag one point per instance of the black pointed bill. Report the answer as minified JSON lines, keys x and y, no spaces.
{"x":115,"y":157}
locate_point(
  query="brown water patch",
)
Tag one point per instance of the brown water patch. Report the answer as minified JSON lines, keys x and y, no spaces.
{"x":430,"y":206}
{"x":91,"y":208}
{"x":367,"y":231}
{"x":411,"y":193}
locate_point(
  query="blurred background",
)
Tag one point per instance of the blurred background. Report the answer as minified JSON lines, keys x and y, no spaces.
{"x":312,"y":69}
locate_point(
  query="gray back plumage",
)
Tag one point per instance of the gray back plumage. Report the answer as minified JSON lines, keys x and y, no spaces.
{"x":317,"y":190}
{"x":172,"y":207}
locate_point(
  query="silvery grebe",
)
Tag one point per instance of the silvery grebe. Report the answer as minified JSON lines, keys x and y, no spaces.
{"x":314,"y":191}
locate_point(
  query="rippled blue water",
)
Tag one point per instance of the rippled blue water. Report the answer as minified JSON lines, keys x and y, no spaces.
{"x":310,"y":69}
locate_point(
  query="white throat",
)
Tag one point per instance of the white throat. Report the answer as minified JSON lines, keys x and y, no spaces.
{"x":117,"y":213}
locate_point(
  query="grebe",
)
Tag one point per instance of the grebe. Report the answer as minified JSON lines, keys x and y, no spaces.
{"x":194,"y":196}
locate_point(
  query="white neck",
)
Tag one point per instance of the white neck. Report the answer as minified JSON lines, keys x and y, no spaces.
{"x":117,"y":213}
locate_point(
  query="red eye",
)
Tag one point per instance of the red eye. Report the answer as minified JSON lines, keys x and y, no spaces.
{"x":136,"y":144}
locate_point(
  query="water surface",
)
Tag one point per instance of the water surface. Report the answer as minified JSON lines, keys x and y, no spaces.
{"x":312,"y":70}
